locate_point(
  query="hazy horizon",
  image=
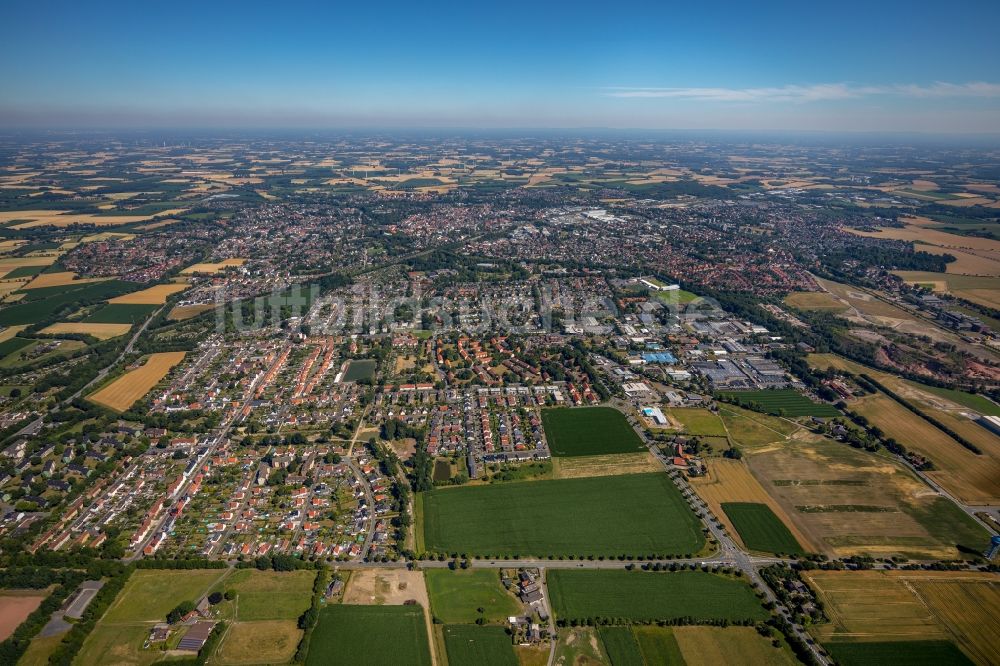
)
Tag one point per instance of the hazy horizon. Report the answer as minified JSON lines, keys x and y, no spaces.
{"x":734,"y":67}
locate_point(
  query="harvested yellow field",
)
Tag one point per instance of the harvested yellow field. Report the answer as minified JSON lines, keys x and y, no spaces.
{"x":41,"y":218}
{"x":10,"y":263}
{"x":731,"y":481}
{"x":961,"y":606}
{"x":820,"y":483}
{"x":916,"y":233}
{"x":11,"y":331}
{"x":99,"y":331}
{"x":575,"y":467}
{"x":213,"y":267}
{"x":711,"y":646}
{"x":972,"y":262}
{"x":7,"y":286}
{"x":60,"y":279}
{"x":182,"y":312}
{"x":156,"y":295}
{"x":972,"y":478}
{"x":134,"y":384}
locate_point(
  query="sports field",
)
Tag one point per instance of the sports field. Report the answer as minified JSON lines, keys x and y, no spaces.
{"x":907,"y":606}
{"x":370,"y":636}
{"x":760,"y":529}
{"x":15,"y":607}
{"x":782,"y":402}
{"x":457,"y":596}
{"x":471,"y":645}
{"x":359,"y":369}
{"x":589,"y":431}
{"x":133,"y":385}
{"x":643,"y":595}
{"x":639,"y":514}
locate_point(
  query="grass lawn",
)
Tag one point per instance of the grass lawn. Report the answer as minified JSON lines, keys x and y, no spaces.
{"x":270,"y":595}
{"x":643,"y":595}
{"x":760,"y":529}
{"x":620,"y":645}
{"x":783,"y":402}
{"x":150,"y":594}
{"x":904,"y":653}
{"x":265,"y":642}
{"x":659,"y":646}
{"x":39,"y":650}
{"x":370,"y":635}
{"x":699,"y":421}
{"x":589,"y":431}
{"x":118,"y":644}
{"x":471,"y":645}
{"x":359,"y":369}
{"x":455,"y":595}
{"x":638,"y":514}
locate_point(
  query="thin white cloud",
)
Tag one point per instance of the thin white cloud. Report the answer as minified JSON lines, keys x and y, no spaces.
{"x":812,"y":93}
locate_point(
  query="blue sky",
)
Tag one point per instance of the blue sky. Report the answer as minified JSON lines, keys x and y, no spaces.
{"x":872,"y":66}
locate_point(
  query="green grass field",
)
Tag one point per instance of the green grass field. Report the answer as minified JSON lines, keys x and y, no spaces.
{"x":270,"y":595}
{"x":760,"y":529}
{"x":638,"y":514}
{"x":471,"y":645}
{"x":903,"y":653}
{"x":658,"y":646}
{"x":41,"y":304}
{"x":783,"y":402}
{"x":455,"y":596}
{"x":620,"y":646}
{"x":359,"y":369}
{"x":370,"y":636}
{"x":642,"y":595}
{"x":12,"y":345}
{"x":120,"y":313}
{"x":150,"y":594}
{"x":970,"y":400}
{"x":24,"y":271}
{"x":697,"y":421}
{"x":590,"y":431}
